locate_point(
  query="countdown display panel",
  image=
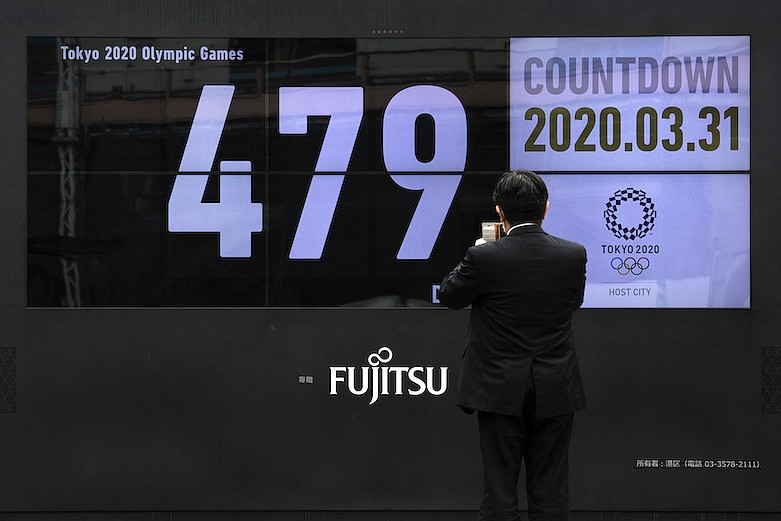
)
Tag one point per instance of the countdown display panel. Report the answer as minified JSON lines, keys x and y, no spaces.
{"x":356,"y":172}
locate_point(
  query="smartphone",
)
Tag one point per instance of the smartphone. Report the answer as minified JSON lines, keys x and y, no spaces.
{"x":491,"y":231}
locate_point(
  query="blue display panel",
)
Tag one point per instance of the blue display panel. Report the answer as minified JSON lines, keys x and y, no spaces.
{"x":664,"y":241}
{"x":670,"y":116}
{"x":665,"y":103}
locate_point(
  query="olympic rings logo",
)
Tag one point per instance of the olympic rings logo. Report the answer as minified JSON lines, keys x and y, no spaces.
{"x":630,"y":265}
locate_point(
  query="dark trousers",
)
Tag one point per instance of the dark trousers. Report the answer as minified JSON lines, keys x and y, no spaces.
{"x":543,"y":443}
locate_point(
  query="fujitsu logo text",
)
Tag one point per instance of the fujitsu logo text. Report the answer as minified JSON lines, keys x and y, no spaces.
{"x":386,"y":380}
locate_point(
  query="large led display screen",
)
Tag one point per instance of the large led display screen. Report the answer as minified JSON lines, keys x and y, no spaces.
{"x":356,"y":172}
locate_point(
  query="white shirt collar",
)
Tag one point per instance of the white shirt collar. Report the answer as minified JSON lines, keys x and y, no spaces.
{"x":519,"y":225}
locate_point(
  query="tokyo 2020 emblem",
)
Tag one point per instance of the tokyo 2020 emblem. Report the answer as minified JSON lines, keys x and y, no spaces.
{"x":638,"y":230}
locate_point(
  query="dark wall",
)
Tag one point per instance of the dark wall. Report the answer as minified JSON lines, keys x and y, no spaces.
{"x":188,"y":409}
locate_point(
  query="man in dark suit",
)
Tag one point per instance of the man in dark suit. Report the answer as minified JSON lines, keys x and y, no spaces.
{"x":519,"y":370}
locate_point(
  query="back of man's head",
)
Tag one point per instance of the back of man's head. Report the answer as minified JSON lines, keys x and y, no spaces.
{"x":522,"y":196}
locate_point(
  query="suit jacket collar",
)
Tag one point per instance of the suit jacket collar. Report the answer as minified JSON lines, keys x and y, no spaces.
{"x":532,"y":228}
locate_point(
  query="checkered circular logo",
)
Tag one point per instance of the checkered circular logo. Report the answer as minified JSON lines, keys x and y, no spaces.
{"x":630,"y":196}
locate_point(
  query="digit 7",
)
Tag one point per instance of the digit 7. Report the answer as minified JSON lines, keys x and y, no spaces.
{"x":344,"y":105}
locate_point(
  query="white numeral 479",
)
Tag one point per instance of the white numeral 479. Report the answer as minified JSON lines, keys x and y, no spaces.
{"x":235,"y":217}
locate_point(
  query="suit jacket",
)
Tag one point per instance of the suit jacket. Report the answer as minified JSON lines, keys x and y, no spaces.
{"x":523,"y":289}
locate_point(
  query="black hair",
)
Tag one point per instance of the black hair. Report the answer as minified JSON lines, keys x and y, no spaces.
{"x":522,"y":196}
